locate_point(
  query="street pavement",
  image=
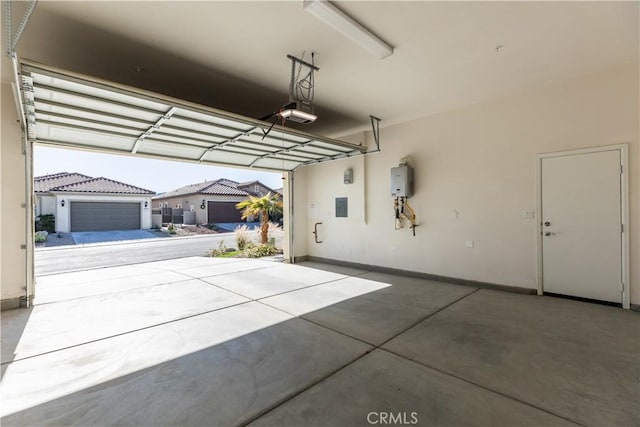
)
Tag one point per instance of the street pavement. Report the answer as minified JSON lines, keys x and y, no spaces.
{"x":75,"y":258}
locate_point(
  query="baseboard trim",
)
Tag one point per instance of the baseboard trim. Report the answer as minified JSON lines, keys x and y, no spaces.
{"x":300,"y":259}
{"x":420,"y":275}
{"x":635,"y":307}
{"x":10,"y":303}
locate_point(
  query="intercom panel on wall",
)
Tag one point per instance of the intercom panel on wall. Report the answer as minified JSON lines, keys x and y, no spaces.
{"x":402,"y":181}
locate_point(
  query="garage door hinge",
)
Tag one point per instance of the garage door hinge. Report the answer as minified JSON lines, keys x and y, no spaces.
{"x":621,"y":170}
{"x":23,"y":246}
{"x":622,"y":285}
{"x":621,"y":228}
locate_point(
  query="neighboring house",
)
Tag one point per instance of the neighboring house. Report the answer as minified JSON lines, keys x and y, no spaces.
{"x":256,"y":188}
{"x":212,"y":201}
{"x":82,"y":203}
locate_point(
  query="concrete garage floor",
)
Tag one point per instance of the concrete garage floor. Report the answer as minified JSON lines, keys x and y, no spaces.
{"x":214,"y":342}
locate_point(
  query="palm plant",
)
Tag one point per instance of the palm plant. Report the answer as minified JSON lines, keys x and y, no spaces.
{"x":263,"y":207}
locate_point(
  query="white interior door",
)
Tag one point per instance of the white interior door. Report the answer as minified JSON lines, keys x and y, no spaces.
{"x":581,"y":225}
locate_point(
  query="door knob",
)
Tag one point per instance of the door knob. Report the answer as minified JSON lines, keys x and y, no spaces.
{"x":549,"y":233}
{"x":547,"y":223}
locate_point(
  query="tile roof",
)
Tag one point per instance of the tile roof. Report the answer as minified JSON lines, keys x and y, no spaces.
{"x":102,"y":185}
{"x":223,"y":190}
{"x":228,"y":182}
{"x":220,"y":187}
{"x":77,"y":182}
{"x":187,"y":189}
{"x":42,"y":184}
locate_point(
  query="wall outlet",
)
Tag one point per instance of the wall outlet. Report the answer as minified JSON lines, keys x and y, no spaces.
{"x":468,"y":243}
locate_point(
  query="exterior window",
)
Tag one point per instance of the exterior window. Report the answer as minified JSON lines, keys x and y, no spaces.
{"x":256,"y":188}
{"x":178,"y":206}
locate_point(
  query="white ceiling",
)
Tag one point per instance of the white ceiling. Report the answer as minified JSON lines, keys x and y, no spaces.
{"x":232,"y":55}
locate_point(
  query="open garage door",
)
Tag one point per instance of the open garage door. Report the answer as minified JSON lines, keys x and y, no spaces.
{"x":70,"y":110}
{"x":67,"y":109}
{"x":104,"y":216}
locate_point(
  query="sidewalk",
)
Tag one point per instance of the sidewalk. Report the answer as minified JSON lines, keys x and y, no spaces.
{"x":57,"y":239}
{"x":82,"y":238}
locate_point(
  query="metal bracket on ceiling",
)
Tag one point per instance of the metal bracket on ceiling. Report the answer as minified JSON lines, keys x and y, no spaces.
{"x":26,"y":121}
{"x":12,"y":39}
{"x":375,"y":126}
{"x":296,"y":82}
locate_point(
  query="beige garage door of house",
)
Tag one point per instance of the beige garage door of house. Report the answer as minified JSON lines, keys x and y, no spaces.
{"x":104,"y":216}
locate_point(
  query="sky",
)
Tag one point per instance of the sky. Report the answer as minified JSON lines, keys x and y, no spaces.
{"x":151,"y":174}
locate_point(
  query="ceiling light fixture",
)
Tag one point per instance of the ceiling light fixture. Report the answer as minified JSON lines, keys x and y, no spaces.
{"x":328,"y":13}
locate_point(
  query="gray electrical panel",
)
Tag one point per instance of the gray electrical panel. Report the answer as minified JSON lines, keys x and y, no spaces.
{"x":402,"y":181}
{"x":342,"y":207}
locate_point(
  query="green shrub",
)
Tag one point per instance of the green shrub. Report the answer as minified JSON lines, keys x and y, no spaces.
{"x":229,"y":254}
{"x":222,"y":249}
{"x":41,"y":236}
{"x":258,"y":251}
{"x":171,"y":229}
{"x":46,"y":223}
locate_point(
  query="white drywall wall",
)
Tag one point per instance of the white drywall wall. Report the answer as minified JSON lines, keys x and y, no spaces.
{"x":475,"y":179}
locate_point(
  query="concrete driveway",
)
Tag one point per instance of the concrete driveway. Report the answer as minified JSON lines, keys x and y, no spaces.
{"x":204,"y":341}
{"x":78,"y":258}
{"x":110,"y":254}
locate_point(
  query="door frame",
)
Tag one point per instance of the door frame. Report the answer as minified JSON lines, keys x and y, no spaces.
{"x":624,"y":211}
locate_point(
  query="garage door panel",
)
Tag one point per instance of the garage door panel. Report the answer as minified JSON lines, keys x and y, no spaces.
{"x":70,"y":137}
{"x":184,"y":152}
{"x":223,"y":212}
{"x":53,"y":95}
{"x":66,"y":87}
{"x":104,"y":216}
